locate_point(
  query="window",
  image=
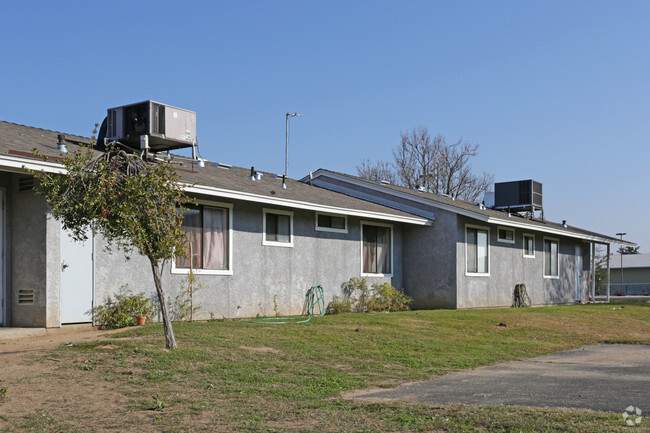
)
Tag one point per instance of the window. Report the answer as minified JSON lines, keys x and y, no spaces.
{"x":529,"y":246}
{"x":377,"y":249}
{"x":209,"y":233}
{"x":506,"y":235}
{"x":278,"y":228}
{"x":331,"y":223}
{"x":551,"y":258}
{"x":476,"y":246}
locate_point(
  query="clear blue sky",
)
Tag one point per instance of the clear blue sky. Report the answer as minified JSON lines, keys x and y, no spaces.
{"x":555,"y":91}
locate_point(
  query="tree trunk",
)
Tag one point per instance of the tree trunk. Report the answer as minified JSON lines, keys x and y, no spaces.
{"x":170,"y":341}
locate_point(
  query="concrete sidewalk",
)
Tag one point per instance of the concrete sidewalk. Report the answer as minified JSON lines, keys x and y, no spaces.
{"x":9,"y":333}
{"x":603,"y":377}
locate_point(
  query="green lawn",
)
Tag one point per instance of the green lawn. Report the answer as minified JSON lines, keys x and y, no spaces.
{"x":239,"y":376}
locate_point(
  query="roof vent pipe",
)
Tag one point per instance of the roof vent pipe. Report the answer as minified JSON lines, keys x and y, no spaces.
{"x":61,"y":146}
{"x":284,"y":185}
{"x":252,"y":173}
{"x":258,"y":175}
{"x":564,"y":224}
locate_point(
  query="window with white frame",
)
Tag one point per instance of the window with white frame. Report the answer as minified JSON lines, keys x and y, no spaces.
{"x":477,"y":241}
{"x":278,"y":228}
{"x":377,"y":249}
{"x":209,"y":234}
{"x":506,"y":235}
{"x":551,"y":258}
{"x":529,"y":246}
{"x":331,"y":223}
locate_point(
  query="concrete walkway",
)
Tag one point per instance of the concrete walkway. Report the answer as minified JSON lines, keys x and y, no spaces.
{"x":603,"y":377}
{"x":9,"y":333}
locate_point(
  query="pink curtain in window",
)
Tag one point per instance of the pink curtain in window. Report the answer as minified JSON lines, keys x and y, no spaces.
{"x":383,"y":250}
{"x":215,"y":238}
{"x":191,"y":226}
{"x":376,"y":250}
{"x":369,"y":253}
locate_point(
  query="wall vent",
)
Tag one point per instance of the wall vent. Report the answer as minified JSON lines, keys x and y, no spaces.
{"x":25,"y":183}
{"x":25,"y":297}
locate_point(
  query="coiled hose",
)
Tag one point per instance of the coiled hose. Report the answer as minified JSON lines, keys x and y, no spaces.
{"x":315,"y":301}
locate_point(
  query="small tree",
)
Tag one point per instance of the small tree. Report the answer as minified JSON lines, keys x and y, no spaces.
{"x":133,"y":204}
{"x":628,"y":250}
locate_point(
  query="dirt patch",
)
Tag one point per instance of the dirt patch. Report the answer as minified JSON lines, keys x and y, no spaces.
{"x":56,"y":337}
{"x":108,"y":347}
{"x":261,"y":349}
{"x":42,"y":391}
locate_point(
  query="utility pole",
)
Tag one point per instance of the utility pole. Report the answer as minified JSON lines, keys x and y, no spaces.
{"x":286,"y":142}
{"x":621,"y":235}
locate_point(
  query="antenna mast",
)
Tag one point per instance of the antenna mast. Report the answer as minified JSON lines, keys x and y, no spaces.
{"x":286,"y":142}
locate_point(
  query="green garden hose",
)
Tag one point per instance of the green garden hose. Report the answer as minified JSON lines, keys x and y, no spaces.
{"x":315,"y":301}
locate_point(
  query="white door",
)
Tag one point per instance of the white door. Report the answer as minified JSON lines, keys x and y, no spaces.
{"x":578,"y":272}
{"x":76,"y":279}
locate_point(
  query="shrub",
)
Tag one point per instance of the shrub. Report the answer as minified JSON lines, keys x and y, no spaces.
{"x":360,"y":298}
{"x":385,"y":297}
{"x":339,"y":305}
{"x":360,"y":287}
{"x":121,"y":311}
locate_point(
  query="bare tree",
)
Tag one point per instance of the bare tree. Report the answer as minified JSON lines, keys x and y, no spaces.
{"x":433,"y":164}
{"x":457,"y":179}
{"x":416,"y":159}
{"x":380,"y":170}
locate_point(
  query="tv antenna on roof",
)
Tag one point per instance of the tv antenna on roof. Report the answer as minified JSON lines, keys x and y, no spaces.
{"x":286,"y":143}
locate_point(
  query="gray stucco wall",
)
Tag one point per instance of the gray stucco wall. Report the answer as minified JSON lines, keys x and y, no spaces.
{"x":508,"y":267}
{"x":430,"y":263}
{"x":260,"y":273}
{"x":35,"y":263}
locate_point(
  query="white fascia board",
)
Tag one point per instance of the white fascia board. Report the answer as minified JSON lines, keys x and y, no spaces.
{"x":295,"y":204}
{"x":464,"y":212}
{"x":19,"y":165}
{"x":550,"y":230}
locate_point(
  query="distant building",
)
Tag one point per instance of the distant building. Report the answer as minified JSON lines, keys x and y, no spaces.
{"x":635,"y":278}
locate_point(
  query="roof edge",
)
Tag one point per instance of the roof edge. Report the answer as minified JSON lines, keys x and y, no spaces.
{"x":457,"y":210}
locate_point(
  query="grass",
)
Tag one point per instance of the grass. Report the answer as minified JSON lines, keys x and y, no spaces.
{"x":238,"y":376}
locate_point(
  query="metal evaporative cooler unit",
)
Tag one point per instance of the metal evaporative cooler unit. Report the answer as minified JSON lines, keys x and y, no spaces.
{"x":166,"y":127}
{"x":518,"y":196}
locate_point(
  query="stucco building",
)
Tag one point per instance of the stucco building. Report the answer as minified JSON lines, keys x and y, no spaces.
{"x":259,"y":241}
